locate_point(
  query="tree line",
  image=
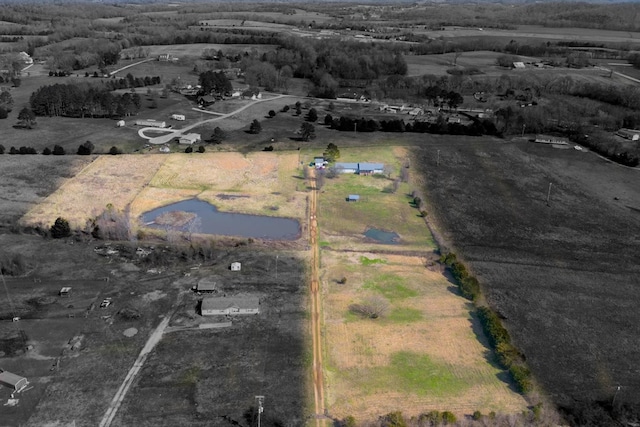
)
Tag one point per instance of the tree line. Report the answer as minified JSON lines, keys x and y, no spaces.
{"x":82,"y":100}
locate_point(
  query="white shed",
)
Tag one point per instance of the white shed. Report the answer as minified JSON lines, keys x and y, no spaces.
{"x":236,"y":266}
{"x":178,"y":117}
{"x":190,"y":138}
{"x":120,"y":123}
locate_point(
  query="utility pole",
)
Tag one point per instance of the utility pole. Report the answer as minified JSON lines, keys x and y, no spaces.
{"x":260,"y":408}
{"x":276,"y":267}
{"x":615,"y":395}
{"x":523,"y":126}
{"x":438,"y":159}
{"x":355,"y":127}
{"x":548,"y":194}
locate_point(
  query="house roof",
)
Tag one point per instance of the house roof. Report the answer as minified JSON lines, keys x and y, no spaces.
{"x":207,"y":98}
{"x":353,"y":166}
{"x":230,"y":302}
{"x":354,"y":197}
{"x":206,"y":285}
{"x":7,"y":378}
{"x":191,"y":136}
{"x":370,"y":166}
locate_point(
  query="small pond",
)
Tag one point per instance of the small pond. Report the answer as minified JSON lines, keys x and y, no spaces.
{"x":201,"y":217}
{"x":381,"y":236}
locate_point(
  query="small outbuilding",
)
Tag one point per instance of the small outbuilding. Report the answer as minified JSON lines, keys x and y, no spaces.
{"x":13,"y":381}
{"x":120,"y":123}
{"x":206,"y":285}
{"x":178,"y":117}
{"x":370,"y":168}
{"x":230,"y":306}
{"x":65,"y":291}
{"x":353,"y":198}
{"x":236,"y":266}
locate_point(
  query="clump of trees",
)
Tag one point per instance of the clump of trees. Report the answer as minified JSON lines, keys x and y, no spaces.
{"x":255,"y":127}
{"x":86,"y":149}
{"x":60,"y":228}
{"x":74,"y":100}
{"x":371,"y":307}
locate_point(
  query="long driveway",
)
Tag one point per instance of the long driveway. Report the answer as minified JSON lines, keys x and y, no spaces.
{"x":174,"y":133}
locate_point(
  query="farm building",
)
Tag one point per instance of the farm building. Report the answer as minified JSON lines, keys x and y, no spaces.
{"x":179,"y":117}
{"x":206,"y":285}
{"x":360,"y":168}
{"x":518,"y":64}
{"x":65,"y":291}
{"x":13,"y":381}
{"x":166,"y":57}
{"x":151,"y":123}
{"x":370,"y":168}
{"x":189,"y":139}
{"x":631,"y":134}
{"x":319,"y":162}
{"x":120,"y":123}
{"x":236,"y":266}
{"x":230,"y":305}
{"x":547,"y":139}
{"x":353,"y":198}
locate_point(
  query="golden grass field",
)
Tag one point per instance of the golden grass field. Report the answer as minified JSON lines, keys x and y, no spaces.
{"x":138,"y":183}
{"x":427,"y":354}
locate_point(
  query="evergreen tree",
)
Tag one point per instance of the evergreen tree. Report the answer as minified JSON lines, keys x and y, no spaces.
{"x":60,"y":228}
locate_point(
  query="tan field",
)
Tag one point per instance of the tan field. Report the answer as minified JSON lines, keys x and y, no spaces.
{"x":265,"y":182}
{"x":427,"y":353}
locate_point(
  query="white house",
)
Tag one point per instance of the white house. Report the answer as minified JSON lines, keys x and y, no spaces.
{"x":236,"y":266}
{"x":342,"y":167}
{"x":189,"y":139}
{"x":230,"y":305}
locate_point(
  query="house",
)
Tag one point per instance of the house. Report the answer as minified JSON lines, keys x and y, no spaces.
{"x":236,"y":266}
{"x":179,"y":117}
{"x":416,"y":112}
{"x":518,"y":65}
{"x":370,"y":168}
{"x":346,"y":167}
{"x":65,"y":291}
{"x":13,"y":381}
{"x":353,"y":198}
{"x":25,"y":57}
{"x":151,"y":123}
{"x":319,"y":162}
{"x":166,"y":57}
{"x":206,"y":285}
{"x":230,"y":305}
{"x":189,"y":138}
{"x":205,"y":101}
{"x":547,"y":139}
{"x":631,"y":134}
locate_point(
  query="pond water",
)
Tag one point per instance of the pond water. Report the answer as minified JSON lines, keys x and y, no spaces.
{"x":381,"y":236}
{"x":208,"y":220}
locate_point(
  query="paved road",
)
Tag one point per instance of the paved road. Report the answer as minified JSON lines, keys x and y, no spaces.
{"x":173,"y":133}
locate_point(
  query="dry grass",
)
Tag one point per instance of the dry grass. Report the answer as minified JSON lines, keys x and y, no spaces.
{"x":139,"y":183}
{"x":361,"y":379}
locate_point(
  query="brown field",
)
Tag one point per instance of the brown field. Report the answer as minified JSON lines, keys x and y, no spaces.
{"x":572,"y":263}
{"x":138,"y":183}
{"x":195,"y":49}
{"x":437,"y":330}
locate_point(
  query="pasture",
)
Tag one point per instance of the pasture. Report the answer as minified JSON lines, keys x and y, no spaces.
{"x":195,"y":49}
{"x":428,"y":352}
{"x":268,"y":184}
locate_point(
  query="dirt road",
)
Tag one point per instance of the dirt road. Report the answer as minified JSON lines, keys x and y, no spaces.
{"x":154,"y":339}
{"x":316,"y":307}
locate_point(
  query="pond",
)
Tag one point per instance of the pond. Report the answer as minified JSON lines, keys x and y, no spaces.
{"x":200,"y":217}
{"x":381,"y":236}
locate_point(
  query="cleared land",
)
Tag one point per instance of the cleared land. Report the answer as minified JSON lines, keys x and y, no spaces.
{"x":429,"y":351}
{"x":138,"y":183}
{"x":571,"y":263}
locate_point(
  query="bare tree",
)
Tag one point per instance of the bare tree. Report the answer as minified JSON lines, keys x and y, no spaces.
{"x":373,"y":307}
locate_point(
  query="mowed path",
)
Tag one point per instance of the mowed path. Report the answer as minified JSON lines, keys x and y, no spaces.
{"x":318,"y":379}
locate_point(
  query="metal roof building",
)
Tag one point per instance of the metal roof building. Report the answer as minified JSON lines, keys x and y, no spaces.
{"x":13,"y":381}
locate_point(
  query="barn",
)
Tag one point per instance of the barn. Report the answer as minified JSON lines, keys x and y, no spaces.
{"x":346,"y":167}
{"x":13,"y":381}
{"x":230,"y":306}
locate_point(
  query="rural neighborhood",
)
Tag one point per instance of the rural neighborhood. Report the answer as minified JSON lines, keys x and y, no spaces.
{"x":352,"y":214}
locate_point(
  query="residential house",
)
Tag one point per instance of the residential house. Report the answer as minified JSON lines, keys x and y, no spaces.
{"x":206,"y":100}
{"x":230,"y":305}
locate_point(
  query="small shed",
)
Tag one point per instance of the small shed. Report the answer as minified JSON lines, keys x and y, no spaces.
{"x":353,"y":198}
{"x":319,"y":162}
{"x":236,"y":266}
{"x":13,"y":381}
{"x":519,"y":65}
{"x":205,"y":101}
{"x":120,"y":123}
{"x":65,"y":291}
{"x":179,"y":117}
{"x":230,"y":306}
